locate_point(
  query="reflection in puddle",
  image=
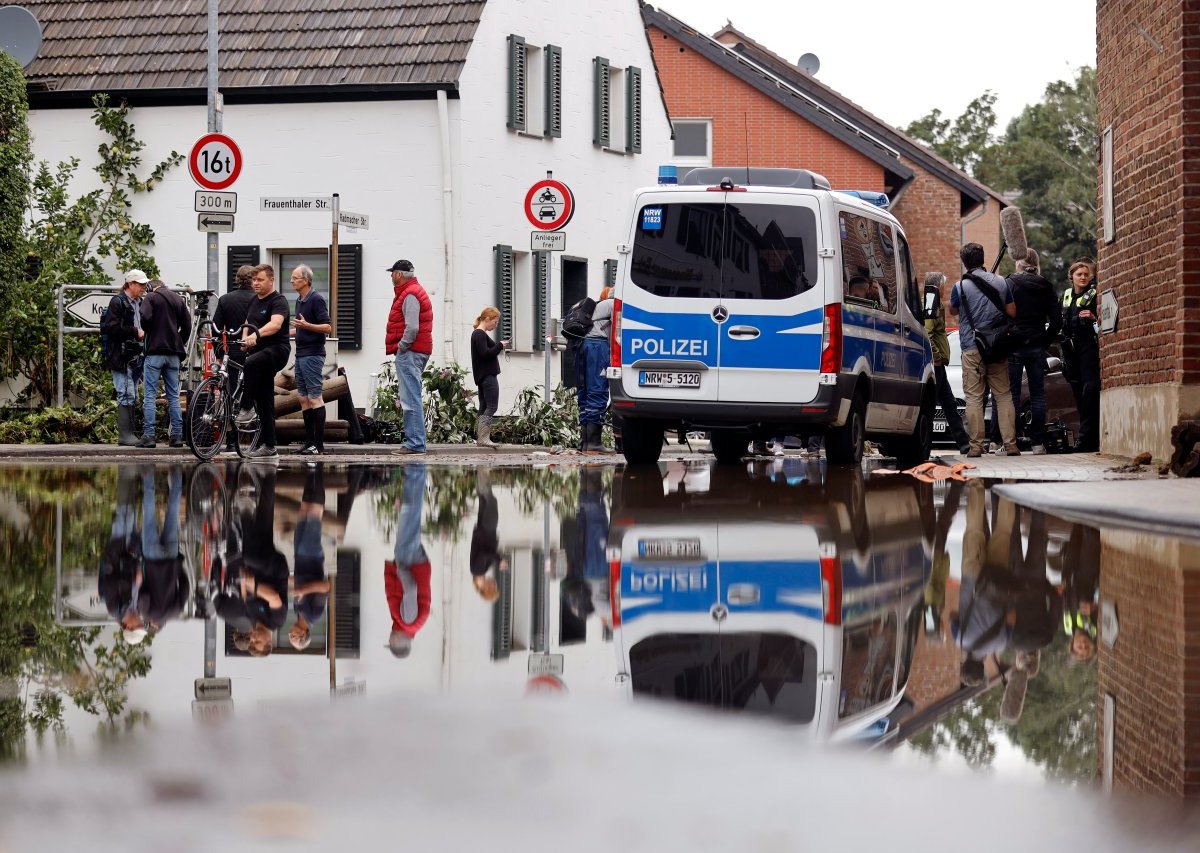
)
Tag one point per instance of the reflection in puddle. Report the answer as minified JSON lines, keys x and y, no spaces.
{"x":933,"y":619}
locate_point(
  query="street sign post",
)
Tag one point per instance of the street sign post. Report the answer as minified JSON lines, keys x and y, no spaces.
{"x":549,"y":206}
{"x":221,"y":223}
{"x":87,"y":309}
{"x":548,"y":241}
{"x":212,"y":202}
{"x":215,"y":161}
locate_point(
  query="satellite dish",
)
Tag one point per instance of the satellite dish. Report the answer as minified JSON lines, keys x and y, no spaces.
{"x":20,"y":34}
{"x":809,"y":64}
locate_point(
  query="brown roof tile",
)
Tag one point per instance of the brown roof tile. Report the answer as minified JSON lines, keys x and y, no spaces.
{"x":161,"y":44}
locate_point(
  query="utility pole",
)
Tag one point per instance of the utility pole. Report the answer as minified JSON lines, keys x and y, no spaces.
{"x":215,"y":109}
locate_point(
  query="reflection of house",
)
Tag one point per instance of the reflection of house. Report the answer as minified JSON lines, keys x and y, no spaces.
{"x":734,"y":103}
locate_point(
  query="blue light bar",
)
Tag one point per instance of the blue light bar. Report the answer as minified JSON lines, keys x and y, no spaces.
{"x":668,"y":175}
{"x":869,"y":196}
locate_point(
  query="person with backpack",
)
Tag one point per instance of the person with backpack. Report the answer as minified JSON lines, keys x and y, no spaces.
{"x":591,"y":362}
{"x":485,"y":368}
{"x":977,"y":299}
{"x":121,"y":334}
{"x":1038,"y":323}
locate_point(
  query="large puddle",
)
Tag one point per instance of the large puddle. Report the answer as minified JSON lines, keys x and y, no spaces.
{"x":936,"y":623}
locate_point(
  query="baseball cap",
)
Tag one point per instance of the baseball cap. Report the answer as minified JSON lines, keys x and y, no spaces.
{"x":136,"y":275}
{"x":403,"y":266}
{"x":134,"y":636}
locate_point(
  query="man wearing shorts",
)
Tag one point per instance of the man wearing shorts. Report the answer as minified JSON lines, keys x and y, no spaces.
{"x":312,"y":326}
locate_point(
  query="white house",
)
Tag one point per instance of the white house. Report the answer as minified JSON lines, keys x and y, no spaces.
{"x":431,"y":117}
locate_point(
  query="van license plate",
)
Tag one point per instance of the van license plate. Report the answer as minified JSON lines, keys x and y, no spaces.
{"x":669,"y":379}
{"x":669,"y":549}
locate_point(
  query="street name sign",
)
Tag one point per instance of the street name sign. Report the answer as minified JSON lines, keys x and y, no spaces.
{"x":548,"y":241}
{"x":215,"y":161}
{"x":272,"y":204}
{"x":212,"y":202}
{"x":87,"y":308}
{"x":1108,"y":310}
{"x":218,"y":222}
{"x":354,"y":220}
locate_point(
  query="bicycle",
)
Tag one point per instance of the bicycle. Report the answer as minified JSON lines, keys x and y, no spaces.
{"x":214,"y":405}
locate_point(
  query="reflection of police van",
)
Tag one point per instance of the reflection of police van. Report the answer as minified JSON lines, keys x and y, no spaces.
{"x":771,"y":308}
{"x":803,"y":604}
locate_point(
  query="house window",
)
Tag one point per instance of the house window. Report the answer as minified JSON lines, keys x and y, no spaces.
{"x":617,"y":107}
{"x":534,"y":88}
{"x":347,"y":324}
{"x":693,"y":141}
{"x":288,"y":260}
{"x":520,"y":294}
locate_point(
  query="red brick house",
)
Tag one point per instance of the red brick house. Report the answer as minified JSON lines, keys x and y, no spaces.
{"x":733,"y":102}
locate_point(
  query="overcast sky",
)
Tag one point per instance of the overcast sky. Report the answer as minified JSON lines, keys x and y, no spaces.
{"x":900,"y":60}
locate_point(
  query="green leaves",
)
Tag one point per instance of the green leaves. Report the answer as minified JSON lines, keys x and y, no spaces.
{"x":965,"y":141}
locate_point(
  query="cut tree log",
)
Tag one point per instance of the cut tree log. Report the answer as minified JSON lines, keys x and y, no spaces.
{"x":332,"y":389}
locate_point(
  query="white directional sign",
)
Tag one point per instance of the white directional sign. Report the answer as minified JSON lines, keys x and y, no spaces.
{"x":218,"y":222}
{"x":213,"y":688}
{"x":548,"y":241}
{"x":1109,"y":627}
{"x":1108,"y":311}
{"x":213,"y":202}
{"x":354,"y":220}
{"x":308,"y":203}
{"x":87,"y":308}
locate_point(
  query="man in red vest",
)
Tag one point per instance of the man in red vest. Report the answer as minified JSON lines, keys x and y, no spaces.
{"x":410,"y":338}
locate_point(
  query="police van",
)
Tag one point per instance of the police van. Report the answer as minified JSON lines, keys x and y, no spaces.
{"x":801,"y":603}
{"x":758,"y":302}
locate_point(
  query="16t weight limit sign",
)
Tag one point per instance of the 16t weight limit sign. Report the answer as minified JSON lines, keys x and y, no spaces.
{"x":215,"y":161}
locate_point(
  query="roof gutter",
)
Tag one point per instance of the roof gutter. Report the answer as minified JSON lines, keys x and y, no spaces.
{"x":41,"y":97}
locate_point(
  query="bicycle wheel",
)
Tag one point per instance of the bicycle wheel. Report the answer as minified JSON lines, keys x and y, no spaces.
{"x":208,"y":417}
{"x":247,"y":437}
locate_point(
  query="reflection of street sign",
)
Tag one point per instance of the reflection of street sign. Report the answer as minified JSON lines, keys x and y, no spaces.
{"x":545,"y":664}
{"x":214,"y":688}
{"x":549,"y":205}
{"x":210,"y":202}
{"x":215,"y":161}
{"x":87,"y":308}
{"x":354,"y":220}
{"x":211,"y":710}
{"x":548,"y":241}
{"x":218,"y":222}
{"x":350,"y":688}
{"x":1109,"y":629}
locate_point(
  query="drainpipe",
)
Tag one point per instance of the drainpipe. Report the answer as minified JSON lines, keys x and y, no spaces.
{"x":449,"y":320}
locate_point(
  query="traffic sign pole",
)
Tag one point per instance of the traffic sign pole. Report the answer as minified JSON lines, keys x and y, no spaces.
{"x":211,"y":241}
{"x":333,"y":264}
{"x":546,"y":308}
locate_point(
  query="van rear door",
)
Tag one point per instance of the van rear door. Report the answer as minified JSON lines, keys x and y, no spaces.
{"x":772,"y":298}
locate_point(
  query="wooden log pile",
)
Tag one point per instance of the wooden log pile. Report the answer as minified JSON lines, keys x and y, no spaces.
{"x":1185,"y":457}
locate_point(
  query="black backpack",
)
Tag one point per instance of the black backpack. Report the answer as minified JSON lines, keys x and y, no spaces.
{"x":578,"y":321}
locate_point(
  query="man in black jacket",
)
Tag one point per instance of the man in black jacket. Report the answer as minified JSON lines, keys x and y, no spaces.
{"x":168,"y":324}
{"x":1038,"y":322}
{"x":122,"y":330}
{"x":232,"y":309}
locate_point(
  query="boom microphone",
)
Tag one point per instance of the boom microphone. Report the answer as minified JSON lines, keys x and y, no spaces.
{"x":1013,"y":229}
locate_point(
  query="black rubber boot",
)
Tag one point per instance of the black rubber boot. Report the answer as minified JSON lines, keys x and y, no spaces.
{"x":127,"y":437}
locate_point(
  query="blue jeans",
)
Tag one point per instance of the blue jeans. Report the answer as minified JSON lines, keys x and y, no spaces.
{"x":126,"y":386}
{"x":409,"y":367}
{"x":168,"y":367}
{"x":1033,"y":361}
{"x":408,"y":525}
{"x":161,"y":544}
{"x":591,"y":360}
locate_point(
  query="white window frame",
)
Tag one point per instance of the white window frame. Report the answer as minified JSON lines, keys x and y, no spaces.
{"x":693,"y":162}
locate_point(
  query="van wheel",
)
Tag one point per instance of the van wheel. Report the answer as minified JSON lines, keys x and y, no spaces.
{"x":844,"y":444}
{"x":914,"y":449}
{"x":729,"y":445}
{"x":641,"y":441}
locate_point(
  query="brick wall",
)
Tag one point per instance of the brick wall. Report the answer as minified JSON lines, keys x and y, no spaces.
{"x":1143,"y":93}
{"x":750,"y":128}
{"x":1153,"y":669}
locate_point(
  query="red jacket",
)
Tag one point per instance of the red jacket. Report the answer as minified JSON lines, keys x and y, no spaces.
{"x":394,"y":590}
{"x":395,"y":324}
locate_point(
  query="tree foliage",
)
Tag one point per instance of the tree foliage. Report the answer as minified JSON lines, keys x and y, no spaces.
{"x":50,"y":235}
{"x":1045,"y":161}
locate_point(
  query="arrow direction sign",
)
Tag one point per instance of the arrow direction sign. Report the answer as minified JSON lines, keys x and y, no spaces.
{"x":218,"y":222}
{"x":214,"y":688}
{"x":354,"y":220}
{"x":87,"y":309}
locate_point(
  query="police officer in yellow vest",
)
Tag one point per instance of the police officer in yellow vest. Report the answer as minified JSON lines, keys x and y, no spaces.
{"x":1081,"y":352}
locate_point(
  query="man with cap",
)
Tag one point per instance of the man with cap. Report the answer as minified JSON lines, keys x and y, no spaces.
{"x":410,"y":338}
{"x":122,"y":329}
{"x":406,"y":577}
{"x":167,"y":323}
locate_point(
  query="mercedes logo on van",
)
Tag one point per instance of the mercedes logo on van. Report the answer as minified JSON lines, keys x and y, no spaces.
{"x":720,"y":314}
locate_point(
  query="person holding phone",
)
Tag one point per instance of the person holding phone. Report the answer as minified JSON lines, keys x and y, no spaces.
{"x":485,"y":368}
{"x":935,"y":327}
{"x":312,"y":325}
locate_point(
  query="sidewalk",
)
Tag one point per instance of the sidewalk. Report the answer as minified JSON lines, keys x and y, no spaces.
{"x":1168,"y":507}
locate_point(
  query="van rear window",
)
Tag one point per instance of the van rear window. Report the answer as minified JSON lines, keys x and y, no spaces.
{"x":731,"y":251}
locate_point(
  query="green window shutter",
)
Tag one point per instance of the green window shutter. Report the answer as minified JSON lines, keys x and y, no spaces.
{"x":602,"y":102}
{"x":554,"y":72}
{"x":236,"y":256}
{"x":516,"y":82}
{"x":610,"y":273}
{"x":504,"y":291}
{"x":347,"y":325}
{"x":541,"y":275}
{"x":633,"y":110}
